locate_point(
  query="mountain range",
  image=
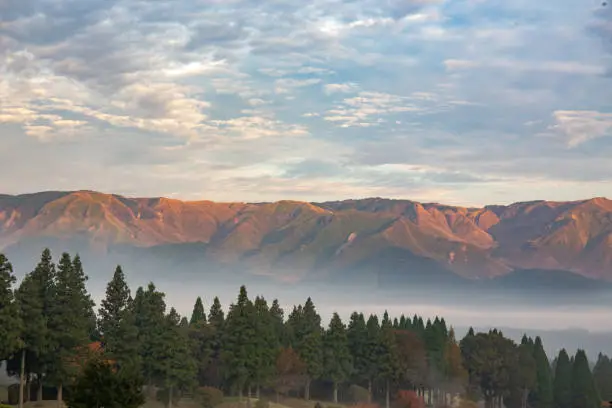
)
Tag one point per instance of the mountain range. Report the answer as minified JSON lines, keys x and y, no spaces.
{"x":294,"y":241}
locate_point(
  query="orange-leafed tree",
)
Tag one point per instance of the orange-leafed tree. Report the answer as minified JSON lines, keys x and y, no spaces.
{"x":290,"y":372}
{"x":408,"y":399}
{"x":412,"y":357}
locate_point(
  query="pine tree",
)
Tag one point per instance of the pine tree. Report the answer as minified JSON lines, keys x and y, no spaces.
{"x":357,"y":337}
{"x":268,"y":345}
{"x":306,"y":333}
{"x":562,"y":384}
{"x":216,"y":322}
{"x":112,"y":310}
{"x":198,"y":315}
{"x":278,"y":315}
{"x":372,"y":369}
{"x":387,"y":358}
{"x":69,"y":323}
{"x":215,"y":316}
{"x":337,"y":360}
{"x":239,"y":342}
{"x":88,"y":304}
{"x":602,"y":373}
{"x":542,"y":396}
{"x":150,"y":318}
{"x":178,"y":369}
{"x":584,"y":391}
{"x":10,"y":322}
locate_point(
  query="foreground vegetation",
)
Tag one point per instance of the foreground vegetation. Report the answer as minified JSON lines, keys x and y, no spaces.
{"x":58,"y":346}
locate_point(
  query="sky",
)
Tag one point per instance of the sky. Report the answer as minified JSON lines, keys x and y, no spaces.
{"x":466,"y":102}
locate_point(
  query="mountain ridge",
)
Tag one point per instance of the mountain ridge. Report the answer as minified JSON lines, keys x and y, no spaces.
{"x":310,"y":237}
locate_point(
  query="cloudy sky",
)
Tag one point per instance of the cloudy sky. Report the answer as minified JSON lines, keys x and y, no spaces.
{"x":456,"y":101}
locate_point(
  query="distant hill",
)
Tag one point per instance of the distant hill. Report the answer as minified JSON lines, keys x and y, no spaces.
{"x":551,"y":244}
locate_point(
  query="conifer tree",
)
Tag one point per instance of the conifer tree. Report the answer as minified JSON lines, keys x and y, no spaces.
{"x":112,"y":311}
{"x":150,"y":318}
{"x":178,"y":369}
{"x":198,"y":315}
{"x":10,"y":322}
{"x":69,"y":322}
{"x":562,"y":383}
{"x":542,"y":395}
{"x":306,"y":333}
{"x":372,"y":369}
{"x":357,"y":337}
{"x":387,"y":361}
{"x":268,"y":345}
{"x":602,"y":373}
{"x":584,"y":391}
{"x":337,"y":360}
{"x":239,"y":342}
{"x":87,"y":303}
{"x":278,"y":321}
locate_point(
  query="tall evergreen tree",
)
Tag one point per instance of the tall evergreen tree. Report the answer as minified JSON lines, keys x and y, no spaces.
{"x":387,"y":358}
{"x":150,"y":320}
{"x":357,"y":337}
{"x":602,"y":373}
{"x":306,"y":333}
{"x":178,"y":369}
{"x":278,"y":321}
{"x":337,"y":360}
{"x":542,"y":395}
{"x":10,"y":322}
{"x":584,"y":391}
{"x":268,"y":345}
{"x":69,"y":323}
{"x":562,"y":383}
{"x":239,"y":342}
{"x":372,"y":369}
{"x":87,"y":303}
{"x":198,"y":315}
{"x":112,"y":311}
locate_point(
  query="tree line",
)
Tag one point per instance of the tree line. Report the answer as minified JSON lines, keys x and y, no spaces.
{"x":48,"y":322}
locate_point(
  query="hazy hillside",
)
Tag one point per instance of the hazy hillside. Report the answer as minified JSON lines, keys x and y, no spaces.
{"x":298,"y":240}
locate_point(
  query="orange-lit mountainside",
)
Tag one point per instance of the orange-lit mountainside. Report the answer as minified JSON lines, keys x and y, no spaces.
{"x":297,"y":239}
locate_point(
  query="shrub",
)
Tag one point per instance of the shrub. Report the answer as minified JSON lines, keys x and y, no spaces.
{"x":318,"y":405}
{"x":5,"y":406}
{"x":358,"y":394}
{"x":262,"y":403}
{"x":408,"y":399}
{"x":209,"y":397}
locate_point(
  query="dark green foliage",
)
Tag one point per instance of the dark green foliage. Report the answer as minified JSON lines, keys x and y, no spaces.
{"x":209,"y":397}
{"x":163,"y":396}
{"x":584,"y":391}
{"x":562,"y":384}
{"x":215,"y":315}
{"x":357,"y":337}
{"x":602,"y":373}
{"x":178,"y":368}
{"x":69,"y":322}
{"x":149,"y":318}
{"x":10,"y":321}
{"x":542,"y":395}
{"x":117,"y":321}
{"x":240,"y":344}
{"x":267,"y":344}
{"x":198,"y":315}
{"x":337,"y":360}
{"x":88,"y":304}
{"x":102,"y":385}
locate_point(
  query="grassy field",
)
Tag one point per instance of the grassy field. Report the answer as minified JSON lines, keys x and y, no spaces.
{"x":230,"y":402}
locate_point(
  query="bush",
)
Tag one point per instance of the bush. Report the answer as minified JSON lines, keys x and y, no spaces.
{"x":262,"y":403}
{"x":318,"y":405}
{"x":358,"y":394}
{"x":408,"y":399}
{"x":5,"y":406}
{"x":209,"y":397}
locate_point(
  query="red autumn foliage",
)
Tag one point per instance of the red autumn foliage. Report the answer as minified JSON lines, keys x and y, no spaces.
{"x":290,"y":371}
{"x":408,"y":399}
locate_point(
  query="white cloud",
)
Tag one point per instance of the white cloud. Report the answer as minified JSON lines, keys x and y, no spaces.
{"x":582,"y":126}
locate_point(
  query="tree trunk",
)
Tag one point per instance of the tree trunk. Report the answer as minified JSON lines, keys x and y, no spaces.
{"x":28,"y":391}
{"x":240,"y":393}
{"x":21,"y":377}
{"x":307,"y":390}
{"x":170,"y":397}
{"x":277,"y":397}
{"x":258,"y":392}
{"x":335,"y":392}
{"x":39,"y":394}
{"x":60,"y":400}
{"x":387,"y":392}
{"x":369,"y":391}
